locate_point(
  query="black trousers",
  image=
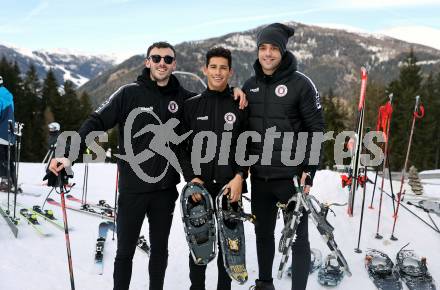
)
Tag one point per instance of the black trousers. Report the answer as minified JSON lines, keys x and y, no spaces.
{"x":132,"y":208}
{"x":4,"y":162}
{"x":265,"y":195}
{"x":197,"y":272}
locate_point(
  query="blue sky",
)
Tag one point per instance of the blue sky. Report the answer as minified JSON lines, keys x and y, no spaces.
{"x":127,"y":27}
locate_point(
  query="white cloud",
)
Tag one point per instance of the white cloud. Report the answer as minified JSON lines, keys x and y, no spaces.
{"x":415,"y":33}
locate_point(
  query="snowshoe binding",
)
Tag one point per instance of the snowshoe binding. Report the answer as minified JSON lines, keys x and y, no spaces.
{"x":381,"y":271}
{"x":413,"y":270}
{"x":330,"y":273}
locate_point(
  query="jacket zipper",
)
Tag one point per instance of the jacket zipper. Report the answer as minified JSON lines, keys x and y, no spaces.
{"x":215,"y":129}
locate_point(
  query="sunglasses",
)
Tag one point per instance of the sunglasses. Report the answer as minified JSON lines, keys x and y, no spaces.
{"x":168,"y":59}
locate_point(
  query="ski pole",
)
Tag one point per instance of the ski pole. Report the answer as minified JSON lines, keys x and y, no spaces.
{"x":85,"y":180}
{"x":358,"y":250}
{"x":402,"y":179}
{"x":427,"y":212}
{"x":66,"y":233}
{"x":9,"y":162}
{"x":384,"y":166}
{"x":374,"y":189}
{"x":391,"y":183}
{"x":116,"y":198}
{"x":414,"y":214}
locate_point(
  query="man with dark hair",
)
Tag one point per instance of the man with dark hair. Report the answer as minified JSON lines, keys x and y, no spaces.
{"x":283,"y":98}
{"x":214,"y":110}
{"x":157,"y":91}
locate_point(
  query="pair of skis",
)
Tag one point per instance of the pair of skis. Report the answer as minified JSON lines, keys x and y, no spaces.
{"x":301,"y":202}
{"x":101,"y":213}
{"x":11,"y":221}
{"x":355,"y":145}
{"x":103,"y":229}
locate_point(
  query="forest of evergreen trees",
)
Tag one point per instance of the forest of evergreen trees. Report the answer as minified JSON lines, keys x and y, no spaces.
{"x":38,"y":103}
{"x":425,"y":151}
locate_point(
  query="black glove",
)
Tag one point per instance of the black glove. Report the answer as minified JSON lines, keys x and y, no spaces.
{"x":61,"y":179}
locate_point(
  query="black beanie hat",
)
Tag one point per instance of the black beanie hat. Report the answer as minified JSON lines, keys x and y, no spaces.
{"x":277,"y":34}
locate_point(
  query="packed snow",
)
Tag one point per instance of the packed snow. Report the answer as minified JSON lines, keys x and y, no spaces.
{"x":34,"y":262}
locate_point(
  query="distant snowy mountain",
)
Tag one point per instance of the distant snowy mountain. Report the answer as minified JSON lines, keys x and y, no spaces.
{"x":331,"y":57}
{"x":67,"y":65}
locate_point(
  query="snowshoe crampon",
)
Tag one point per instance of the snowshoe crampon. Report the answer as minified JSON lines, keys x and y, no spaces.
{"x":230,"y":217}
{"x":381,"y":271}
{"x":330,"y":273}
{"x":414,"y":271}
{"x":199,"y":223}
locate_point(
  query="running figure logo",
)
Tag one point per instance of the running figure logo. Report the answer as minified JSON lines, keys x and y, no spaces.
{"x":164,"y":134}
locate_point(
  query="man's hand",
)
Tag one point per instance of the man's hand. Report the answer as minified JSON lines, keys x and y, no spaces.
{"x":235,"y":188}
{"x":238,"y":93}
{"x":196,"y":197}
{"x":57,"y":164}
{"x":306,"y":187}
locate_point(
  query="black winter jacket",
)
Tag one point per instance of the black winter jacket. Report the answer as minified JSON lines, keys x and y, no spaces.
{"x":210,"y":111}
{"x":166,"y":102}
{"x":289,"y":101}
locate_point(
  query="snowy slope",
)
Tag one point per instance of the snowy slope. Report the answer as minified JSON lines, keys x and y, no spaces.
{"x":73,"y":66}
{"x":31,"y":262}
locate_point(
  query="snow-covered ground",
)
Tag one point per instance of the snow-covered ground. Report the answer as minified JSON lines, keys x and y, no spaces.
{"x":33,"y":262}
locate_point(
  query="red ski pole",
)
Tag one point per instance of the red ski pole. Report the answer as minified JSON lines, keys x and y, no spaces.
{"x":388,"y":111}
{"x":66,"y":233}
{"x":416,"y":115}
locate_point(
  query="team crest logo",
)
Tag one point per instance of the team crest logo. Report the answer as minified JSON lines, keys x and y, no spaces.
{"x":173,"y":107}
{"x":281,"y":90}
{"x":230,"y":118}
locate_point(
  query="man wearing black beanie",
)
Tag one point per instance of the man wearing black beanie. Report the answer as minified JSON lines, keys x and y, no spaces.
{"x":282,"y":97}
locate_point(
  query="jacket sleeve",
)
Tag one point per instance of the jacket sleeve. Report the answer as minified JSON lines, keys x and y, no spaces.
{"x":184,"y":148}
{"x":104,"y":118}
{"x":243,"y":125}
{"x":313,"y":121}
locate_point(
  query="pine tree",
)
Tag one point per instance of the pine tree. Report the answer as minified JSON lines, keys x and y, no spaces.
{"x":33,"y":141}
{"x":50,"y":103}
{"x":85,"y":105}
{"x":436,"y":112}
{"x":405,"y":89}
{"x":334,"y":114}
{"x":69,"y":114}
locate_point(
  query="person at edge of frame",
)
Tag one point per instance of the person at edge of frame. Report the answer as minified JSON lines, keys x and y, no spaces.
{"x":214,"y":110}
{"x":156,"y":88}
{"x":282,"y":97}
{"x":7,"y":138}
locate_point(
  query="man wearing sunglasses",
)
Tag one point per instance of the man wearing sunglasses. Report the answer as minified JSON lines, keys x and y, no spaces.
{"x":160,"y":92}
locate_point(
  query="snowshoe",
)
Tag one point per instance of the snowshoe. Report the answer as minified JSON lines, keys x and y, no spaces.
{"x":330,"y":273}
{"x":413,"y":270}
{"x":381,"y":271}
{"x":315,"y":261}
{"x":199,"y":223}
{"x":230,"y":217}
